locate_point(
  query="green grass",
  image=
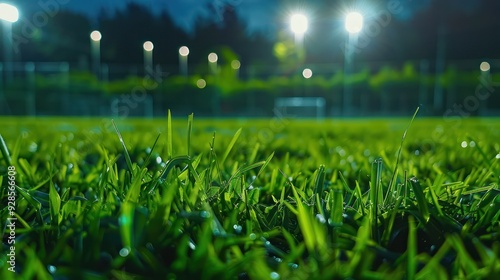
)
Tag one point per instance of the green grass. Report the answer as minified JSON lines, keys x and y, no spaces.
{"x":253,"y":199}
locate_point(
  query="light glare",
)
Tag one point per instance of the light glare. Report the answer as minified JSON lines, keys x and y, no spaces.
{"x":464,"y":144}
{"x":485,"y":66}
{"x":212,"y":57}
{"x":307,"y":73}
{"x":8,"y":13}
{"x":299,"y":24}
{"x":95,"y":36}
{"x":148,"y":46}
{"x":235,"y":64}
{"x":201,"y":83}
{"x":184,"y":51}
{"x":354,"y":22}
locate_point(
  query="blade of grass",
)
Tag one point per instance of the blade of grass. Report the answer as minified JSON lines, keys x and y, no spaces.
{"x":171,"y":163}
{"x":190,"y":128}
{"x":464,"y":260}
{"x":125,"y":151}
{"x":359,"y":251}
{"x":126,"y":224}
{"x":148,"y":158}
{"x":245,"y":169}
{"x":375,"y":193}
{"x":319,"y":181}
{"x":55,"y":205}
{"x":5,"y":151}
{"x":230,"y":146}
{"x":420,"y":197}
{"x":169,"y":135}
{"x":134,"y":190}
{"x":434,"y":197}
{"x":336,"y":206}
{"x":411,"y":253}
{"x":265,"y":164}
{"x":398,"y":158}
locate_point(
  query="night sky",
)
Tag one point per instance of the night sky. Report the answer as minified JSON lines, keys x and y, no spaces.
{"x":264,"y":16}
{"x":258,"y":14}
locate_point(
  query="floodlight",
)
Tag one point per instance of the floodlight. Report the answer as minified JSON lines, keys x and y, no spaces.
{"x":8,"y":13}
{"x":354,"y":22}
{"x":299,"y":23}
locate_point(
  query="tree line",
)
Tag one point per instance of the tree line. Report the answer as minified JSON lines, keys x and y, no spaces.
{"x":462,"y":34}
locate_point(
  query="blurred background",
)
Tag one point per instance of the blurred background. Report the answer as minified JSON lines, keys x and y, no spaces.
{"x":249,"y":58}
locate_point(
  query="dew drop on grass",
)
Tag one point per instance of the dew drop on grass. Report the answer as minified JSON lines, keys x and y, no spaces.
{"x":124,"y":252}
{"x":293,"y":265}
{"x":237,"y":229}
{"x":498,"y":156}
{"x":433,"y":248}
{"x":472,"y":144}
{"x":275,"y":275}
{"x":204,"y":214}
{"x":464,"y":144}
{"x":52,"y":269}
{"x":192,"y":245}
{"x":158,"y":160}
{"x":33,"y":147}
{"x":278,"y":260}
{"x":320,"y":218}
{"x":252,"y":236}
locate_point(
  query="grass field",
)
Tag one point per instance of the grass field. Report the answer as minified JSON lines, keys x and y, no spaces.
{"x":276,"y":199}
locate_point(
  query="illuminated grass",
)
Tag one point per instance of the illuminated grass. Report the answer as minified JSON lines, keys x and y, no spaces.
{"x":208,"y":200}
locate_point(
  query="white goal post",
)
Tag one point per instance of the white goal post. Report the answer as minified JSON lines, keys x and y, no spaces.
{"x":301,"y":107}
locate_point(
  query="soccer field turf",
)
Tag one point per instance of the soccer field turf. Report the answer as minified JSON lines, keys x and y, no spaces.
{"x":250,"y":198}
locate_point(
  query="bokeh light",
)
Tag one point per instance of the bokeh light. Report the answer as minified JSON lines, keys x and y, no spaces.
{"x":299,"y":24}
{"x":95,"y":36}
{"x":354,"y":22}
{"x":307,"y":73}
{"x":201,"y":83}
{"x":148,"y":46}
{"x":212,"y":57}
{"x":8,"y":13}
{"x":485,"y":66}
{"x":235,"y":64}
{"x":184,"y":51}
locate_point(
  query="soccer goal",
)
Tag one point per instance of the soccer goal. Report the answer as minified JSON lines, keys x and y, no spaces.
{"x":301,"y":107}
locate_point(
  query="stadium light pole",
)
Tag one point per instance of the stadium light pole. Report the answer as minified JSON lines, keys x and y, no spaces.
{"x":299,"y":25}
{"x":353,"y":25}
{"x":148,"y":57}
{"x":9,"y":15}
{"x":95,"y":45}
{"x":183,"y":60}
